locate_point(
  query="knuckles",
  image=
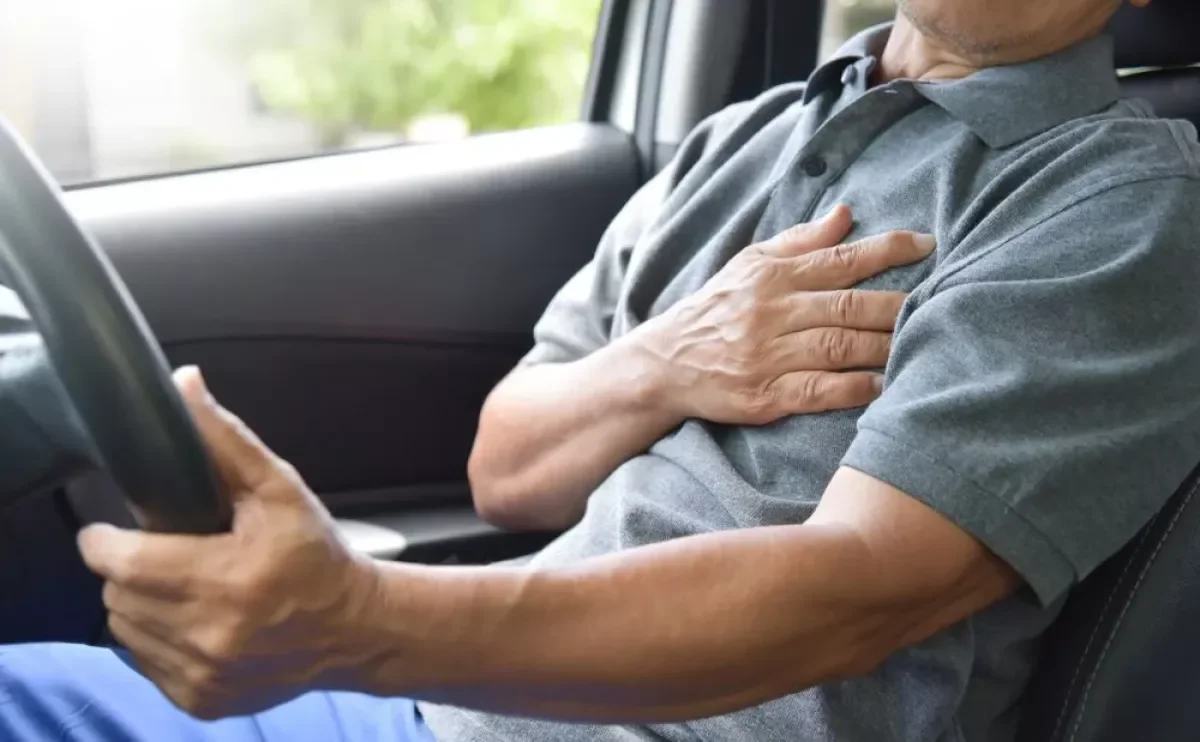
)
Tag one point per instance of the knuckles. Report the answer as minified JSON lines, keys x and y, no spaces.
{"x":760,"y":406}
{"x":198,"y":701}
{"x":245,"y":588}
{"x":844,"y":306}
{"x":834,"y":346}
{"x":221,"y":645}
{"x":811,"y":391}
{"x":843,"y":257}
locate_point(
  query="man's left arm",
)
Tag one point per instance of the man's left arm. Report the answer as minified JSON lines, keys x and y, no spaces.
{"x":235,"y":623}
{"x":1041,"y":405}
{"x":686,"y":629}
{"x":680,"y":630}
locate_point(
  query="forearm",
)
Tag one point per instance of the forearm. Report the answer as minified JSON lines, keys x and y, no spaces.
{"x":549,"y":434}
{"x":682,"y":630}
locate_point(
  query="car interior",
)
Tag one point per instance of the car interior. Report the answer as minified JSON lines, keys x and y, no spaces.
{"x":355,"y":309}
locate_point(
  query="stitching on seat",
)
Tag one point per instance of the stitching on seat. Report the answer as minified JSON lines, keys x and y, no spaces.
{"x":1062,"y":715}
{"x":1132,"y":594}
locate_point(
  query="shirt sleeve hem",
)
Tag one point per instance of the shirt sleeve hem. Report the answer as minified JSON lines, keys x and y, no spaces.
{"x":977,"y":511}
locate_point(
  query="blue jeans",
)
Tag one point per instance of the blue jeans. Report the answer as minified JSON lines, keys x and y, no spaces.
{"x":72,"y":693}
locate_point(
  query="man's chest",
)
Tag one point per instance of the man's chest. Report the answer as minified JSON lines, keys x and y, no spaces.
{"x":888,"y":182}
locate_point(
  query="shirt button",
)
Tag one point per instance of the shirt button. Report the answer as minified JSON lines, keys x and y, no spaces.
{"x":849,"y":75}
{"x":814,"y":166}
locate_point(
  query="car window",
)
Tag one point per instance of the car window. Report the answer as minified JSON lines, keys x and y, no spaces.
{"x":844,"y":18}
{"x":106,"y":89}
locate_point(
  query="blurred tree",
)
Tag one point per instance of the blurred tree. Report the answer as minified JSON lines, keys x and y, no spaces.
{"x":376,"y":65}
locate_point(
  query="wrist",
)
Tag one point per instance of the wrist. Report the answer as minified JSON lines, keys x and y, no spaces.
{"x":647,"y":372}
{"x":421,"y":629}
{"x":352,"y":637}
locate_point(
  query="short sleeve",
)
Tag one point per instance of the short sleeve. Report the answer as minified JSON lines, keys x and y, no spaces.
{"x":579,"y":319}
{"x":1044,"y":393}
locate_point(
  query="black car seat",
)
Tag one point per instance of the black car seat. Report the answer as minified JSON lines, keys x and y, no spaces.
{"x":1165,"y":38}
{"x":1122,"y":663}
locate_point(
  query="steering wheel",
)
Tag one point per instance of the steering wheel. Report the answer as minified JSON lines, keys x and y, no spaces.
{"x":96,"y":380}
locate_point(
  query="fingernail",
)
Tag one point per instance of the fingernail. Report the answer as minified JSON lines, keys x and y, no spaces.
{"x":91,"y":535}
{"x":833,"y":212}
{"x":877,"y":382}
{"x":925,"y":242}
{"x":200,"y":379}
{"x":191,"y":383}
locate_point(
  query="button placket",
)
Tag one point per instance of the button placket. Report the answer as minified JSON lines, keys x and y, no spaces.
{"x":814,"y":166}
{"x":833,"y":146}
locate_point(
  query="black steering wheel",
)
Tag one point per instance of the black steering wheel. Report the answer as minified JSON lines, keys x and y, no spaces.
{"x":95,"y":380}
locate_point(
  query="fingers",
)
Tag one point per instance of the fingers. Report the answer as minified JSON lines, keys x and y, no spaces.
{"x":153,"y":615}
{"x":806,"y":392}
{"x":153,"y":562}
{"x":831,"y":349}
{"x":846,"y":265}
{"x":852,"y":308}
{"x":811,"y":236}
{"x":241,"y":459}
{"x":159,"y":660}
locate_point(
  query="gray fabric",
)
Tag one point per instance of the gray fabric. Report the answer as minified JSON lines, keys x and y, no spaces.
{"x":1043,"y":391}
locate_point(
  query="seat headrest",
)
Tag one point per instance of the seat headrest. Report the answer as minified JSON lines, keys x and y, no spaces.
{"x":1164,"y":34}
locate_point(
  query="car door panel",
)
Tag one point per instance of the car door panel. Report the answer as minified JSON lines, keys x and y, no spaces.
{"x":354,"y":415}
{"x":356,"y":309}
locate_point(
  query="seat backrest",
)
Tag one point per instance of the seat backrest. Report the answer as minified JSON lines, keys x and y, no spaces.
{"x":1165,"y":36}
{"x":1122,"y":663}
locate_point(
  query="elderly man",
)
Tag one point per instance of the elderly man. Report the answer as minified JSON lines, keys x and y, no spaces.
{"x":733,"y":570}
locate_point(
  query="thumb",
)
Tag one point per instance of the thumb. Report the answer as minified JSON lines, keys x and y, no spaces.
{"x":243,"y":463}
{"x":808,"y":237}
{"x":134,"y":559}
{"x":106,"y":549}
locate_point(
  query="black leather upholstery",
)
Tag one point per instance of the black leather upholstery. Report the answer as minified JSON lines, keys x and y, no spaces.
{"x":1166,"y":34}
{"x":1122,"y":663}
{"x":1174,"y":93}
{"x":1161,"y":35}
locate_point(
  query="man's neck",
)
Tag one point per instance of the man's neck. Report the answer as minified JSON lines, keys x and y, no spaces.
{"x":910,"y":55}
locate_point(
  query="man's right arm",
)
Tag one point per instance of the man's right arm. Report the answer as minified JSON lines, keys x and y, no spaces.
{"x":550,"y":433}
{"x":767,"y":337}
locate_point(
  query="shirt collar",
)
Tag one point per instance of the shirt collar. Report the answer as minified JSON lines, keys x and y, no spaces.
{"x":1002,"y":105}
{"x":862,"y":50}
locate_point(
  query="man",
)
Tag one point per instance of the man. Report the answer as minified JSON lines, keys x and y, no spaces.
{"x":734,"y":571}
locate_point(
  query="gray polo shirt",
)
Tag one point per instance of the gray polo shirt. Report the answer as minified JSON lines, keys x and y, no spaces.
{"x":1044,"y":387}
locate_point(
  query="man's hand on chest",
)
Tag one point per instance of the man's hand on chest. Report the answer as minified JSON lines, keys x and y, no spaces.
{"x":771,"y":334}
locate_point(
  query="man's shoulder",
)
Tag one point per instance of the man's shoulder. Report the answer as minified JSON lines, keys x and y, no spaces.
{"x":1119,"y":169}
{"x":1125,"y":143}
{"x":733,"y":127}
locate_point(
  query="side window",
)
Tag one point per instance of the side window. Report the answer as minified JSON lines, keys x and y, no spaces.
{"x":844,"y":18}
{"x":106,"y":89}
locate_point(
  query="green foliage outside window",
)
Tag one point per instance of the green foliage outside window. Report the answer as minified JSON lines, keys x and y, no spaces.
{"x":376,"y":65}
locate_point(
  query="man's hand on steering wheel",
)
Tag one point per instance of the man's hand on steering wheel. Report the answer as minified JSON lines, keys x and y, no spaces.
{"x":237,"y":622}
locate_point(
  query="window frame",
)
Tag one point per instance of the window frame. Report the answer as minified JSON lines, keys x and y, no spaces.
{"x":607,"y":49}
